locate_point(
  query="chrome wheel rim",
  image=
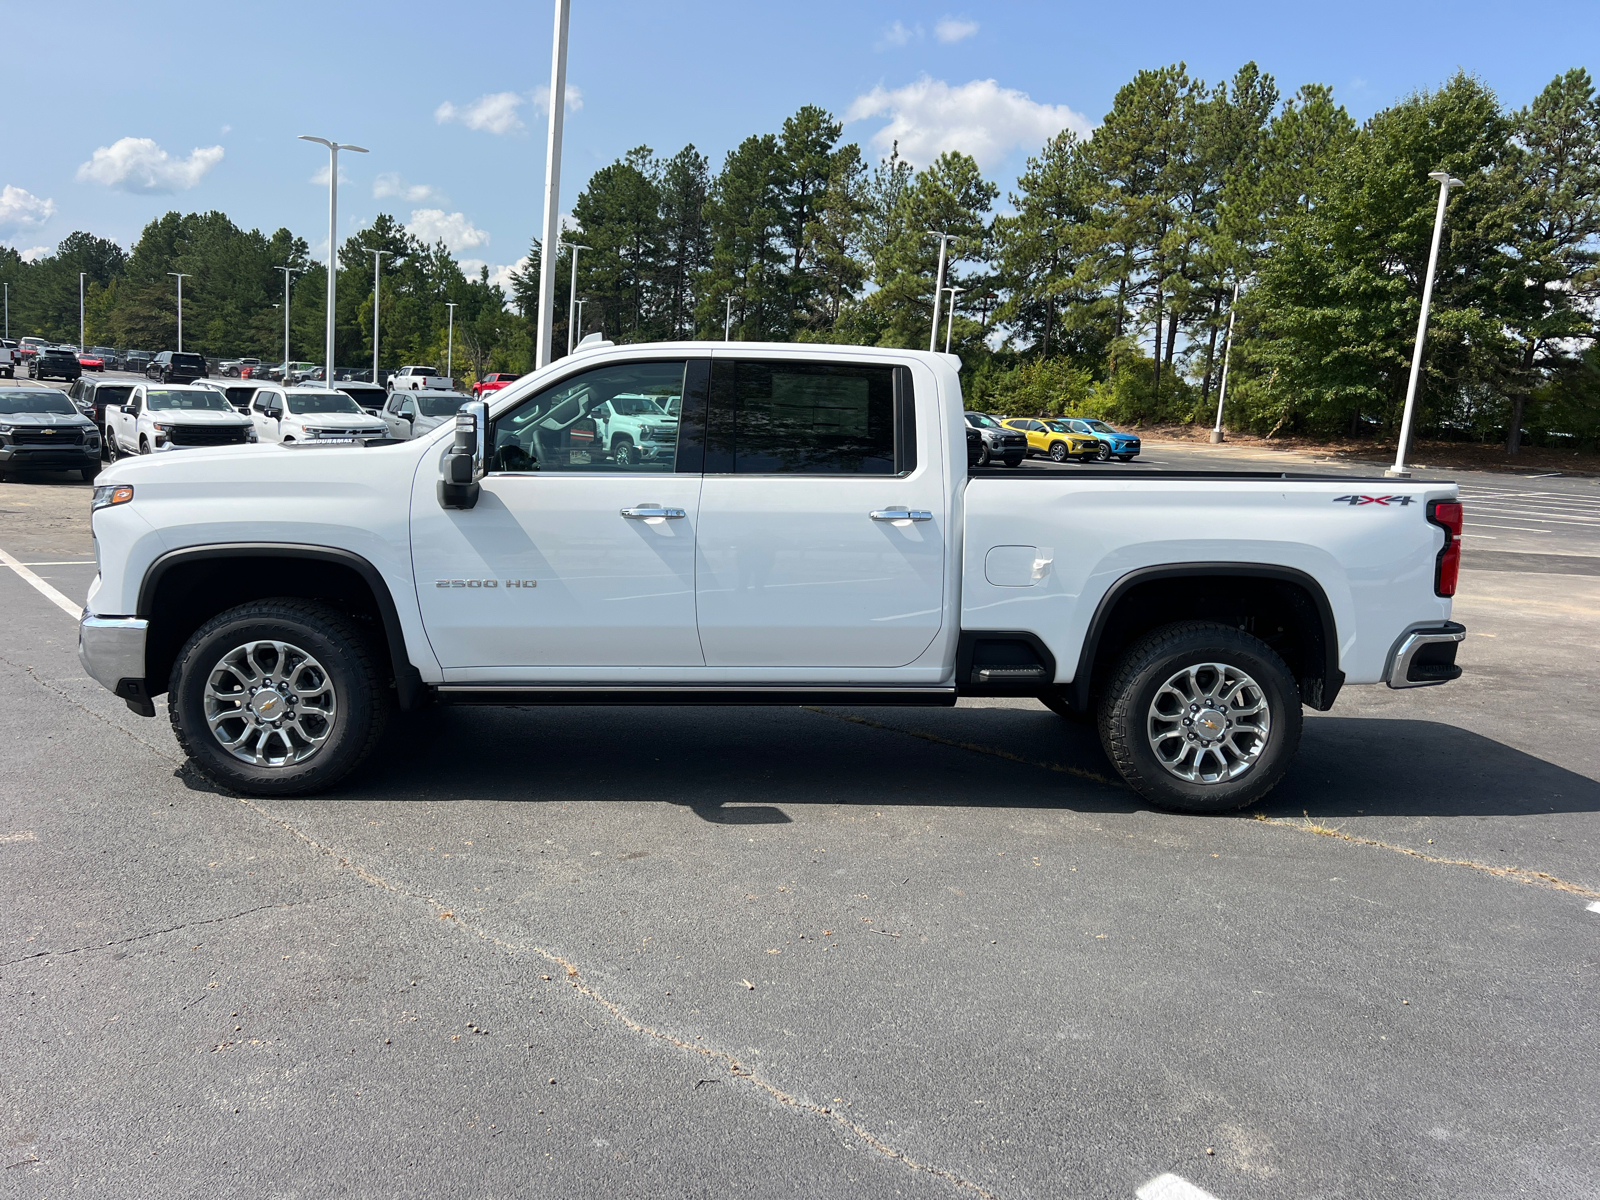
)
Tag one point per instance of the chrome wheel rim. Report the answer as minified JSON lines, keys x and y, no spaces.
{"x":270,"y":704}
{"x":1208,"y":723}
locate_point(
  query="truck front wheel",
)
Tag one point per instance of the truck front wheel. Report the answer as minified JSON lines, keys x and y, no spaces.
{"x":1201,"y":717}
{"x":278,"y":698}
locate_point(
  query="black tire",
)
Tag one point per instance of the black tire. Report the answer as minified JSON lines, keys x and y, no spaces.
{"x":1058,"y":452}
{"x":1103,"y":454}
{"x":984,"y":457}
{"x":1014,"y":461}
{"x":87,"y":474}
{"x":624,"y":452}
{"x":1126,"y":705}
{"x":144,"y":445}
{"x":350,"y":660}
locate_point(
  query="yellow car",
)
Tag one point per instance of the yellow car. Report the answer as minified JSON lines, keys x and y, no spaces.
{"x":1054,"y":439}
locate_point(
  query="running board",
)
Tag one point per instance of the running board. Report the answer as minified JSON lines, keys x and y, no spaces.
{"x":787,"y":694}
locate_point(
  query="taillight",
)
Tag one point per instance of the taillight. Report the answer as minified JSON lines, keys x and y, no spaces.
{"x":1446,"y":514}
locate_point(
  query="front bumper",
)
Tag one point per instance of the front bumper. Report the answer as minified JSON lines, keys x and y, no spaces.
{"x":111,"y":650}
{"x":1426,"y":657}
{"x":49,"y":458}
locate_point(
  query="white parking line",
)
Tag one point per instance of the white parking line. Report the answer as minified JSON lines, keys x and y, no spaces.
{"x":1172,"y":1187}
{"x":44,"y":589}
{"x":1594,"y":906}
{"x":1515,"y":528}
{"x":75,"y":562}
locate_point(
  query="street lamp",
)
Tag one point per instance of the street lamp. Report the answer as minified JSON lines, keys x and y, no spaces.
{"x":581,"y":302}
{"x":951,"y":323}
{"x":333,"y":231}
{"x":572,"y":300}
{"x":8,"y":312}
{"x":81,"y":275}
{"x":181,"y":277}
{"x":450,"y":352}
{"x":552,"y":184}
{"x":727,"y":320}
{"x":287,"y":272}
{"x":377,"y":257}
{"x":938,"y":291}
{"x":1446,"y":181}
{"x":1227,"y":347}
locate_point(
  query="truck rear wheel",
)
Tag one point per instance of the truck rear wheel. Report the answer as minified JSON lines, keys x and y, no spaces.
{"x":278,"y":698}
{"x":1201,"y":717}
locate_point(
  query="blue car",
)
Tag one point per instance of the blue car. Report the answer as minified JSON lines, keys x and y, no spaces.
{"x":1113,"y":442}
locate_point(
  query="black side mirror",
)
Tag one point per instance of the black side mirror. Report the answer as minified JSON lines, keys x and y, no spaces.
{"x":465,"y":463}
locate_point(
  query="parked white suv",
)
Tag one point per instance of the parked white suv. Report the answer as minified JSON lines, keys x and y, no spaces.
{"x":310,"y":414}
{"x":173,"y":416}
{"x":412,"y":414}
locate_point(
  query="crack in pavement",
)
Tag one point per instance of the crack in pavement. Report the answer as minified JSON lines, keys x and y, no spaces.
{"x":1521,"y":874}
{"x":614,"y":1009}
{"x":974,"y":747}
{"x":139,"y":937}
{"x":32,"y":674}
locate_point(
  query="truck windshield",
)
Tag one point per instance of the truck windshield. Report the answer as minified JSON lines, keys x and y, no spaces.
{"x":639,"y":406}
{"x":199,"y":400}
{"x":16,"y":402}
{"x":321,"y":402}
{"x":441,"y":405}
{"x":982,"y":421}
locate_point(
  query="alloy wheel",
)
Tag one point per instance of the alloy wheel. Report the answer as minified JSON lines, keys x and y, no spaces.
{"x":1208,"y":723}
{"x":270,"y":703}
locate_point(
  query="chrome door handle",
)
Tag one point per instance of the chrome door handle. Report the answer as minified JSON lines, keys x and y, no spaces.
{"x":901,"y":514}
{"x":653,"y":513}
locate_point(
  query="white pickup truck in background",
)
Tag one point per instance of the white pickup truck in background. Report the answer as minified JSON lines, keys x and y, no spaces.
{"x":816,"y":536}
{"x":414,"y":378}
{"x":158,"y":417}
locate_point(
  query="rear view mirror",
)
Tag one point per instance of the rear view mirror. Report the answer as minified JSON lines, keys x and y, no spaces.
{"x":465,"y":463}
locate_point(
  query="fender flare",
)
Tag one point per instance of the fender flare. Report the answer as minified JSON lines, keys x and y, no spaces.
{"x":1332,"y":677}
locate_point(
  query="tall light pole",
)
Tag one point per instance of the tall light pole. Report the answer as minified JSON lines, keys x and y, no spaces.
{"x":333,"y":232}
{"x":81,"y":275}
{"x":377,"y":257}
{"x":181,"y":277}
{"x":450,"y":351}
{"x":581,"y":302}
{"x":727,"y":320}
{"x":287,"y":273}
{"x":1446,"y":181}
{"x":8,"y":312}
{"x":552,"y":185}
{"x":938,"y":290}
{"x":951,"y":323}
{"x":572,"y":300}
{"x":1227,"y":348}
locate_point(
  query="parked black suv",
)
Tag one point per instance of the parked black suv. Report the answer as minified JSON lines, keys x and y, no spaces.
{"x":177,"y":366}
{"x":92,"y":395}
{"x":54,"y":362}
{"x":137,"y":360}
{"x":41,"y":430}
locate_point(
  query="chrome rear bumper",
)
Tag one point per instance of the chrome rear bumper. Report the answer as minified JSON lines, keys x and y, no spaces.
{"x":1425,"y":657}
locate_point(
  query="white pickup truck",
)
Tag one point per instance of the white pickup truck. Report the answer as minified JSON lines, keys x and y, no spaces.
{"x":816,"y":537}
{"x":158,"y":417}
{"x":414,"y":379}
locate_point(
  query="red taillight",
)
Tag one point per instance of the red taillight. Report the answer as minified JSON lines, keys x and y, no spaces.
{"x":1446,"y":514}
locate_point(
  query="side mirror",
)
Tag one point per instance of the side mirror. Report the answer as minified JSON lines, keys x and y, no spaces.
{"x":467,"y":460}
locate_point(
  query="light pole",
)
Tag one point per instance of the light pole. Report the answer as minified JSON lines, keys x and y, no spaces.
{"x":181,"y":277}
{"x":552,"y":185}
{"x":581,"y":302}
{"x":287,"y":273}
{"x":377,"y":257}
{"x":1227,"y":348}
{"x":333,"y":232}
{"x":81,"y":275}
{"x":727,"y":321}
{"x":572,"y":300}
{"x":8,"y":312}
{"x":450,"y":351}
{"x":950,"y":324}
{"x":938,"y":290}
{"x":1446,"y":181}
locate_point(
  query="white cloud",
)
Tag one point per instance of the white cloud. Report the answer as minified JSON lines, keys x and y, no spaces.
{"x":899,"y":34}
{"x":434,"y":224}
{"x":392,"y":184}
{"x":980,"y":118}
{"x":320,"y":175}
{"x":541,"y":99}
{"x":139,"y":165}
{"x":954,"y":29}
{"x":34,"y":253}
{"x":493,"y":113}
{"x":21,"y":209}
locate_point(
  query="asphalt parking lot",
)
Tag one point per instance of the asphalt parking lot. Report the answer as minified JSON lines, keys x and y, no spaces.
{"x":834,"y":952}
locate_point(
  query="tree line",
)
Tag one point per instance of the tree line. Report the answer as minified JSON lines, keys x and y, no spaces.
{"x":1103,"y":285}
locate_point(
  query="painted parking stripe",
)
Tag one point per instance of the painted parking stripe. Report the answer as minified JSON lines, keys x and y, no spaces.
{"x":44,"y":589}
{"x":1172,"y":1187}
{"x":1594,"y":906}
{"x":75,"y":562}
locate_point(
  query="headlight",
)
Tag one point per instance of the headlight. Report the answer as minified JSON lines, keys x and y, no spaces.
{"x":7,"y":428}
{"x":250,"y":435}
{"x":108,"y":494}
{"x":161,"y":426}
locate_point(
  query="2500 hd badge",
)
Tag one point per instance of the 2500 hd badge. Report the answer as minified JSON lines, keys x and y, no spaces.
{"x":484,"y":583}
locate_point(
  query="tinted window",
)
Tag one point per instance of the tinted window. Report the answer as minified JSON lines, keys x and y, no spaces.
{"x":982,"y":421}
{"x":787,"y":418}
{"x":321,"y":402}
{"x":200,"y":399}
{"x":188,"y":360}
{"x":15,"y":401}
{"x":580,"y":424}
{"x":440,"y":404}
{"x":112,"y":394}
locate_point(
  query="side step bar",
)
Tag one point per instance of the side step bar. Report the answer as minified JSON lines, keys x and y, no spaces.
{"x":783,"y":694}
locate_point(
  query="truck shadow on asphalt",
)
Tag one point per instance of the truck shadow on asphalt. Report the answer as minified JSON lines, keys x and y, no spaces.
{"x":754,"y":766}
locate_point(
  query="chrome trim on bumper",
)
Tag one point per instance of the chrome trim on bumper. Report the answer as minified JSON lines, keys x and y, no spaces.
{"x":1402,"y":656}
{"x":111,"y":649}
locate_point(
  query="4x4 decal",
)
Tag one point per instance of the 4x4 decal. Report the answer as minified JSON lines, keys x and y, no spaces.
{"x":1384,"y":500}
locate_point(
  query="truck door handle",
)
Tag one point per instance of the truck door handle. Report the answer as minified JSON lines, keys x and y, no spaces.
{"x":901,"y":514}
{"x":652,"y":512}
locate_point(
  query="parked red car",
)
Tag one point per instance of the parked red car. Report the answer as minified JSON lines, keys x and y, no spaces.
{"x":493,"y":382}
{"x":91,"y":362}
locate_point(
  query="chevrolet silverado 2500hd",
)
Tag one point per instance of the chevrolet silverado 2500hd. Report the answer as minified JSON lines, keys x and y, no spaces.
{"x":816,"y":536}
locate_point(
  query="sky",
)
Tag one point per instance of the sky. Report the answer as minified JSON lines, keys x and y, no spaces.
{"x":174,"y":104}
